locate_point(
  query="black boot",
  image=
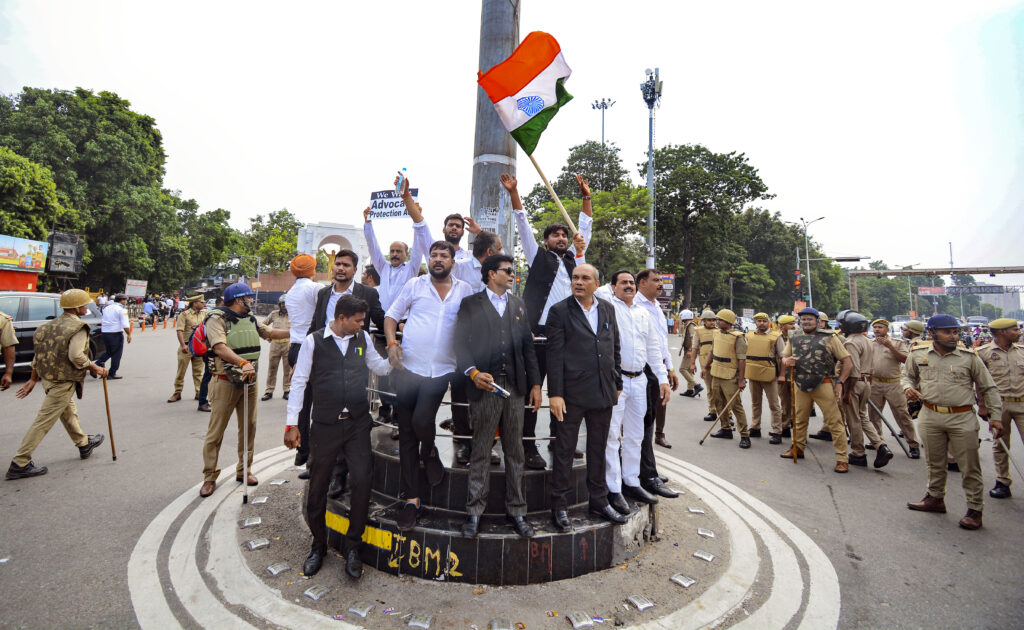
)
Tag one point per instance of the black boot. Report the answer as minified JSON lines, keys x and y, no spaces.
{"x":28,"y":470}
{"x":1001,"y":491}
{"x":94,"y":440}
{"x":711,"y":417}
{"x":725,"y":434}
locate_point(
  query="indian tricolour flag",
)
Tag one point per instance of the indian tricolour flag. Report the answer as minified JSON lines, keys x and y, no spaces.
{"x":528,"y":88}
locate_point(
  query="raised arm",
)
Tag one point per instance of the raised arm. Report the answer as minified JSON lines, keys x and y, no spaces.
{"x":526,"y":237}
{"x":376,"y":255}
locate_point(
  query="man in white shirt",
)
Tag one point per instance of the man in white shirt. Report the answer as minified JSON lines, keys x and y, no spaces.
{"x":648,"y":283}
{"x":402,"y":265}
{"x":114,"y":328}
{"x":426,"y":360}
{"x":640,"y":346}
{"x":300,"y":301}
{"x":547,"y":284}
{"x":334,"y":365}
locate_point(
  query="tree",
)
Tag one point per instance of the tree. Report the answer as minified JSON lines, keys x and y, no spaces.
{"x":28,"y":199}
{"x":599,"y":164}
{"x":209,"y":237}
{"x":272,"y":239}
{"x":698,"y":190}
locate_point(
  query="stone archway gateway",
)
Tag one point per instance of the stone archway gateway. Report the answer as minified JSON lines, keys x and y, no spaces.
{"x":315,"y":236}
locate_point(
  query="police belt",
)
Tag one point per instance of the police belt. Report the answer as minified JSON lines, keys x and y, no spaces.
{"x":722,"y":359}
{"x":885,"y":380}
{"x":1013,"y":399}
{"x":706,"y":343}
{"x":751,"y":357}
{"x":632,"y":374}
{"x":941,"y":409}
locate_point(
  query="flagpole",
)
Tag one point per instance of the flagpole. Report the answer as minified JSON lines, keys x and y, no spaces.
{"x":551,"y":190}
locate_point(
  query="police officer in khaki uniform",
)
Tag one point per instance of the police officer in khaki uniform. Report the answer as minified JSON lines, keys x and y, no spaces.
{"x":187,"y":320}
{"x":233,"y":335}
{"x":688,"y":348}
{"x":278,"y":320}
{"x":889,"y":356}
{"x":1004,"y":358}
{"x":814,"y":353}
{"x":857,"y":391}
{"x":7,"y":342}
{"x":61,"y":361}
{"x":944,"y":377}
{"x":705,"y":339}
{"x":727,"y":366}
{"x":762,"y":371}
{"x":786,"y":324}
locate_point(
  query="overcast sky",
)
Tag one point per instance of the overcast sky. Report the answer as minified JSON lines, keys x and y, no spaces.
{"x":901,"y":123}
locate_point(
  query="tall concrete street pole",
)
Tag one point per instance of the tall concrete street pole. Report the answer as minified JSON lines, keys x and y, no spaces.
{"x":494,"y":150}
{"x":651,"y":90}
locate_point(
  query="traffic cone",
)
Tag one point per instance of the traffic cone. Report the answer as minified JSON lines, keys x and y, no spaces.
{"x":165,"y":323}
{"x":131,"y":326}
{"x":143,"y":324}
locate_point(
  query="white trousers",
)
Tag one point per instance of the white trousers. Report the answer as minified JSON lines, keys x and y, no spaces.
{"x":626,"y":429}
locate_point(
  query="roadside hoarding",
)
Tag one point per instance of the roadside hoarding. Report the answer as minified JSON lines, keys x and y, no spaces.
{"x":22,"y":254}
{"x":135,"y":288}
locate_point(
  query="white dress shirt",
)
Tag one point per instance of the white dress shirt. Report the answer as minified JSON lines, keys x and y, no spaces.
{"x":428,"y":339}
{"x":654,"y":310}
{"x":560,"y":288}
{"x":499,"y":302}
{"x":393,"y":279}
{"x":304,"y":365}
{"x":115,"y":318}
{"x":469,"y":271}
{"x":591,"y":315}
{"x":332,"y":301}
{"x":301,"y":303}
{"x":639,"y":343}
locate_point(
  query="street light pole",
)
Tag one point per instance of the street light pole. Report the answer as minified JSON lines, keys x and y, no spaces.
{"x":603,"y":105}
{"x":807,"y":256}
{"x":651,"y":90}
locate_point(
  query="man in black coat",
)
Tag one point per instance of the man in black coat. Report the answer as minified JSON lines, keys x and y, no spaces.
{"x":495,"y":348}
{"x":584,"y":381}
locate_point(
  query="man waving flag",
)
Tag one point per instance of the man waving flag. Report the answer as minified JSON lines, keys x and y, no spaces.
{"x":528,"y":88}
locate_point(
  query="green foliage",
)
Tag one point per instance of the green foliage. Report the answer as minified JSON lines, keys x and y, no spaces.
{"x":273,"y":239}
{"x":599,"y":164}
{"x":620,"y":215}
{"x":323,"y":263}
{"x":991,"y":311}
{"x":28,"y":199}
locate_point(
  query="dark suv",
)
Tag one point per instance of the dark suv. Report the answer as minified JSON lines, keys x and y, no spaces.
{"x":30,"y":310}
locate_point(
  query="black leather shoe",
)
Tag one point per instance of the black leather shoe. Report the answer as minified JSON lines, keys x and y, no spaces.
{"x":688,"y":393}
{"x":638,"y":493}
{"x":394,"y":433}
{"x":204,"y":407}
{"x":617,"y":501}
{"x":495,"y":458}
{"x":534,"y":461}
{"x":953,"y":467}
{"x":313,"y":562}
{"x":609,"y":513}
{"x":711,"y":417}
{"x":1001,"y":491}
{"x":744,"y":442}
{"x":561,"y":521}
{"x":755,"y":433}
{"x":774,"y":438}
{"x":655,"y":486}
{"x":522,"y":528}
{"x":859,"y":460}
{"x":435,"y":469}
{"x":869,"y":447}
{"x":723,"y":434}
{"x":113,"y":377}
{"x":267,"y":396}
{"x":915,"y":453}
{"x":786,"y":433}
{"x":471,"y":527}
{"x":883,"y":456}
{"x":698,"y":389}
{"x":407,"y":517}
{"x":305,"y":473}
{"x":285,"y":396}
{"x":28,"y":470}
{"x":94,"y":440}
{"x":577,"y":454}
{"x":663,"y":478}
{"x":462,"y":455}
{"x":821,"y":435}
{"x":336,"y":489}
{"x":301,"y":458}
{"x":353,"y":565}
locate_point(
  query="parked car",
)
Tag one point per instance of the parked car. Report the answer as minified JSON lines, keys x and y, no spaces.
{"x":30,"y":310}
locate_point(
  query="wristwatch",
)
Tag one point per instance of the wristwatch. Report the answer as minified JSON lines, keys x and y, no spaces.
{"x":838,"y":382}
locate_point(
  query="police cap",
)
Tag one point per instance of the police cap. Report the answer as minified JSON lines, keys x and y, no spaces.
{"x":708,"y":314}
{"x":1002,"y":323}
{"x":914,"y":326}
{"x":942,"y":320}
{"x":727,"y":315}
{"x":786,"y":319}
{"x":807,"y":310}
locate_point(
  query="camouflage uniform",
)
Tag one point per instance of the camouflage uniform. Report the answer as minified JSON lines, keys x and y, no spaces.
{"x":816,"y":357}
{"x":61,"y":359}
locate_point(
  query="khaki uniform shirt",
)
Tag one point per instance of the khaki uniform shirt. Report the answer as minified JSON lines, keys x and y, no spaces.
{"x":950,"y":380}
{"x":689,"y":337}
{"x":886,"y":365}
{"x":860,"y":352}
{"x":217,"y":332}
{"x":1006,"y":368}
{"x":780,"y":349}
{"x":277,"y":321}
{"x":189,"y":319}
{"x":7,"y":336}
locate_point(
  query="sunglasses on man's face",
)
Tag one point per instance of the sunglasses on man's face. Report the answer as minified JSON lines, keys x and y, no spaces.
{"x":507,"y":270}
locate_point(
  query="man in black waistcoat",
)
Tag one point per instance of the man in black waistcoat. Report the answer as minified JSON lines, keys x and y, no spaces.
{"x":334,"y":363}
{"x":495,"y":348}
{"x":548,"y":283}
{"x":584,"y":382}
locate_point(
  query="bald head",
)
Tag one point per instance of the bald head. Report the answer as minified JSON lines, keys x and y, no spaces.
{"x":585,"y":280}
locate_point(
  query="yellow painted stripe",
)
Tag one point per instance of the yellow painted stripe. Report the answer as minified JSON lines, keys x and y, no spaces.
{"x":380,"y":538}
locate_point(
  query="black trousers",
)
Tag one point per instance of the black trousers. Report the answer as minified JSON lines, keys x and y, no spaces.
{"x":204,"y":385}
{"x":307,"y":403}
{"x":418,"y":400}
{"x":530,"y":417}
{"x":566,"y":434}
{"x":489,"y":413}
{"x":114,"y":343}
{"x":460,"y":414}
{"x":351,"y":437}
{"x":648,"y":468}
